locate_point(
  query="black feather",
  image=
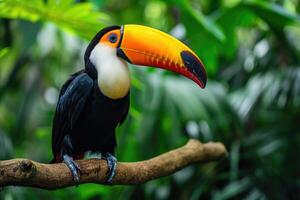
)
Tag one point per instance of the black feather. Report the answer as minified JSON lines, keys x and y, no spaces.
{"x":73,"y":96}
{"x":85,"y":119}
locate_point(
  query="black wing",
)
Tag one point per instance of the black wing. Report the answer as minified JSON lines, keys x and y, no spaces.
{"x":72,"y":99}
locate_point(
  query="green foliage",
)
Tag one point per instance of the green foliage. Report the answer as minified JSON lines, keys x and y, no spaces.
{"x":251,"y":103}
{"x":78,"y":18}
{"x":272,"y":13}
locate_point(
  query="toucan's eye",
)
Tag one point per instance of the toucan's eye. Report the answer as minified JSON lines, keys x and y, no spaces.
{"x":113,"y":37}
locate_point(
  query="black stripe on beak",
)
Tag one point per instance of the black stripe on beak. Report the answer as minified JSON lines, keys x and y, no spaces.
{"x":194,"y":66}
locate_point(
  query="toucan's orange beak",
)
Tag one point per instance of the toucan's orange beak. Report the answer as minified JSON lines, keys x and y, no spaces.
{"x":141,"y":45}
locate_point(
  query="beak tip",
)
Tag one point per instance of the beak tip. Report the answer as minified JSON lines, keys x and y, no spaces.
{"x":203,"y":86}
{"x":201,"y":83}
{"x":204,"y":81}
{"x":195,"y":67}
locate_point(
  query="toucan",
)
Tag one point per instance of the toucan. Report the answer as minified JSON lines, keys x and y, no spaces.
{"x":95,"y":100}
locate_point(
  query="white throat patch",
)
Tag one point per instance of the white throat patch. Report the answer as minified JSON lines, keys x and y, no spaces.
{"x":113,"y":73}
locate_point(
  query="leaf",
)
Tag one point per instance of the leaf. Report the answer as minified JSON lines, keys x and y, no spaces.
{"x":79,"y":18}
{"x":89,"y":191}
{"x":234,"y":160}
{"x":231,"y":19}
{"x":4,"y":51}
{"x":203,"y":22}
{"x":233,"y":189}
{"x":271,"y":13}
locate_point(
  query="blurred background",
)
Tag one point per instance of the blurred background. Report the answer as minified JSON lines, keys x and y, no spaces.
{"x":251,"y":50}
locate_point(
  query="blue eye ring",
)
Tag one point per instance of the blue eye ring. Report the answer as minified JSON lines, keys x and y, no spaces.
{"x":113,"y":38}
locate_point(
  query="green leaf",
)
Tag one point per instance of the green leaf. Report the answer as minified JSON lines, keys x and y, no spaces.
{"x":205,"y":23}
{"x":271,"y":13}
{"x":190,"y":15}
{"x":91,"y":190}
{"x":233,"y":189}
{"x":79,"y":18}
{"x":4,"y":52}
{"x":231,"y":19}
{"x":234,"y":160}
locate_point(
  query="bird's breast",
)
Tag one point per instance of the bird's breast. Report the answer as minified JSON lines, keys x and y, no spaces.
{"x":98,"y":120}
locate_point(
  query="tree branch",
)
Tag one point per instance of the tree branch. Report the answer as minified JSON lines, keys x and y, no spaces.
{"x":24,"y":172}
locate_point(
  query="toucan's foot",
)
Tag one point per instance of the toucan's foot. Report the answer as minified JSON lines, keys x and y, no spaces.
{"x":73,"y":166}
{"x":112,"y":165}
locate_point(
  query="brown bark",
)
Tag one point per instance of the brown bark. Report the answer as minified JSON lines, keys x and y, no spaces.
{"x":24,"y":172}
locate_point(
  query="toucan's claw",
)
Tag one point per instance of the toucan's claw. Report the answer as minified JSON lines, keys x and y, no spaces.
{"x":73,"y":166}
{"x":112,"y":165}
